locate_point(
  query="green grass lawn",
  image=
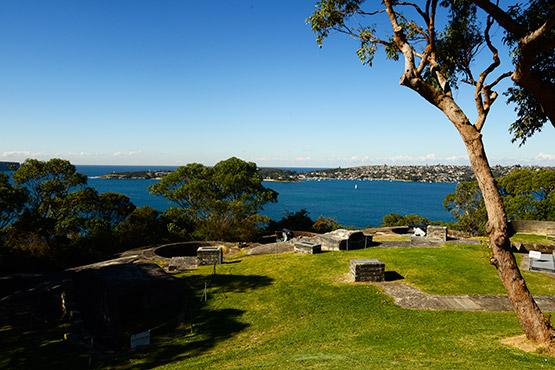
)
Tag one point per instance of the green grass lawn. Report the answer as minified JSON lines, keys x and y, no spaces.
{"x":531,"y":238}
{"x":304,"y":312}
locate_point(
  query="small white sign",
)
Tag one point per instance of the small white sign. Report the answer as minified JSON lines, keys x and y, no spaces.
{"x":535,"y":255}
{"x":140,"y":339}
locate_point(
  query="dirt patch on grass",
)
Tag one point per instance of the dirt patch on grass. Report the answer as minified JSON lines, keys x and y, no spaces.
{"x":522,"y":343}
{"x":345,"y":278}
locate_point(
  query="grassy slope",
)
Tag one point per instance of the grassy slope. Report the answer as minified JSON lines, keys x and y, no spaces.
{"x":303,"y":311}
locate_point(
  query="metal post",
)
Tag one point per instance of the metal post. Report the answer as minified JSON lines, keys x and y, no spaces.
{"x":91,"y":354}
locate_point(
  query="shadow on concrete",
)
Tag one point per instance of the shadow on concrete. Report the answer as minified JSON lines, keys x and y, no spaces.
{"x":393,"y":276}
{"x":391,"y":244}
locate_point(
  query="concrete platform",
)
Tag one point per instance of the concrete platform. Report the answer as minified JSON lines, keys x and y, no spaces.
{"x":545,"y":264}
{"x":412,"y":298}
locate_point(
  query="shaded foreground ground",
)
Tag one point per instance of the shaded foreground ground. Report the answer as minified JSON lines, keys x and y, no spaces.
{"x":304,"y":311}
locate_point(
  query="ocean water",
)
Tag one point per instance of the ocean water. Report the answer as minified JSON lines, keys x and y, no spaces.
{"x":351,"y":202}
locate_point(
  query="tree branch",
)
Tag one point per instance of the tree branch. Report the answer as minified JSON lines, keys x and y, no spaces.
{"x":531,"y":44}
{"x":489,"y":95}
{"x":501,"y":17}
{"x":422,"y":14}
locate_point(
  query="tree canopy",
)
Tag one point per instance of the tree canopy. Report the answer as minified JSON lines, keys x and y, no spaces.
{"x":50,"y":218}
{"x":222,"y":201}
{"x":527,"y":195}
{"x":529,"y":31}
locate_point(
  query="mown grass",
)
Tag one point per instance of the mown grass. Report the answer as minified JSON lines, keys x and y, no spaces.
{"x":391,"y":239}
{"x":531,"y":238}
{"x":304,"y":312}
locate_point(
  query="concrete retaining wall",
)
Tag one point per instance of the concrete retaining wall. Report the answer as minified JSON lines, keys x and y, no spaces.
{"x":534,"y":227}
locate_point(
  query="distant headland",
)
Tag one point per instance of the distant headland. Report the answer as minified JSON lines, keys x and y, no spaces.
{"x":428,"y":173}
{"x":8,"y":166}
{"x":268,"y":174}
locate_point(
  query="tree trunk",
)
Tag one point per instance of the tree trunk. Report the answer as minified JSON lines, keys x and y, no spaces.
{"x":535,"y":325}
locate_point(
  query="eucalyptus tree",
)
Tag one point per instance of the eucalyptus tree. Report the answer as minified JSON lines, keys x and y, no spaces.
{"x":54,"y":214}
{"x":439,"y":42}
{"x":12,"y":206}
{"x":47,"y":182}
{"x":529,"y":195}
{"x":467,"y":205}
{"x":12,"y":201}
{"x":222,"y":201}
{"x":529,"y":30}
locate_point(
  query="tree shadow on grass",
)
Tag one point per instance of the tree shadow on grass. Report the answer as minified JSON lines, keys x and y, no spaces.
{"x":42,"y":347}
{"x":205,"y":324}
{"x":214,"y":326}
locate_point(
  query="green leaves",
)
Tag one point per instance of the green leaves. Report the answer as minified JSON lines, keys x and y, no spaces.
{"x":527,"y":195}
{"x":530,"y":114}
{"x":459,"y":42}
{"x":368,"y":47}
{"x":395,"y":219}
{"x":47,"y":181}
{"x":12,"y":201}
{"x":47,"y":212}
{"x":468,"y":207}
{"x":220,"y":200}
{"x":331,"y":15}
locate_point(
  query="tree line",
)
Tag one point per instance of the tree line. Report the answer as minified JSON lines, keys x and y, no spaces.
{"x":527,"y":195}
{"x":51,"y":219}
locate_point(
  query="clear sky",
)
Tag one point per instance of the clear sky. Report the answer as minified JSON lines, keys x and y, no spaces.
{"x":161,"y":82}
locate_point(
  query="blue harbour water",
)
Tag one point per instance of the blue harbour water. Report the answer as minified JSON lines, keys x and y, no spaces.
{"x":351,"y":202}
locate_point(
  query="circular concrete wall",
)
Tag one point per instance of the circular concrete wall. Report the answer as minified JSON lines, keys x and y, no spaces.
{"x":186,"y":249}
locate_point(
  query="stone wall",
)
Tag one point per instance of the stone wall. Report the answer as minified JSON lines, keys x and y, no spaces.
{"x":343,"y":240}
{"x":367,"y":270}
{"x":302,"y":246}
{"x":438,"y":233}
{"x":209,"y":255}
{"x":534,"y":227}
{"x":435,"y":237}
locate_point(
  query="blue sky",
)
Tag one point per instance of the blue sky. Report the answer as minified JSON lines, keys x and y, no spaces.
{"x":173,"y":82}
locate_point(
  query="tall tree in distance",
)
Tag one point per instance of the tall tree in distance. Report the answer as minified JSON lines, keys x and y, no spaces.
{"x":436,"y":61}
{"x":222,"y":201}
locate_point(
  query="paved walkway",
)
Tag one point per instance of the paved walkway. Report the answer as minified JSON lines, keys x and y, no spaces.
{"x":411,"y":298}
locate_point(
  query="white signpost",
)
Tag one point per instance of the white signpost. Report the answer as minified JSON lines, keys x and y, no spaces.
{"x":140,"y":339}
{"x":535,"y":255}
